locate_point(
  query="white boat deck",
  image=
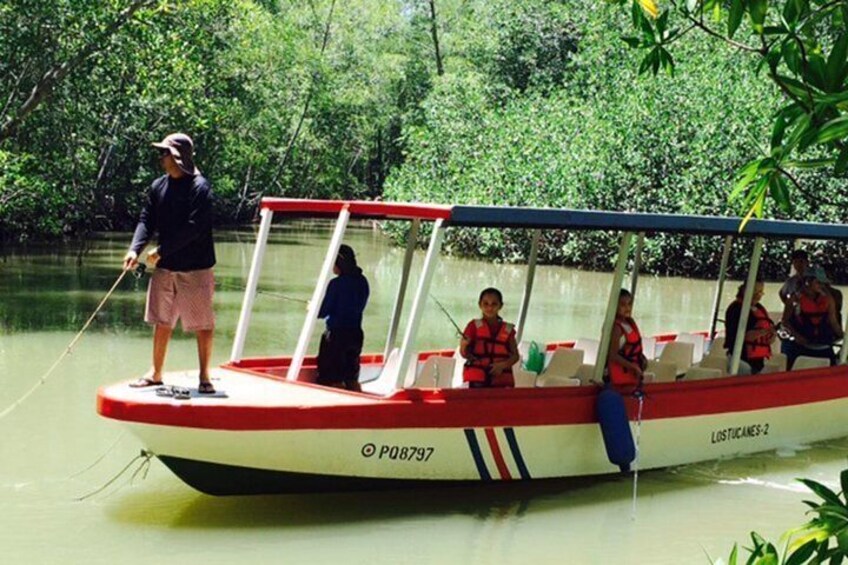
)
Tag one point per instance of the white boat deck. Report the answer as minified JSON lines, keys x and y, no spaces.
{"x":235,"y":388}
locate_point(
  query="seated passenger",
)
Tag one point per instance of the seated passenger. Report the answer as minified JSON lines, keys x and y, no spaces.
{"x":488,"y":345}
{"x":759,"y":331}
{"x":810,"y":318}
{"x":800,"y":262}
{"x":625,"y":362}
{"x":341,"y":344}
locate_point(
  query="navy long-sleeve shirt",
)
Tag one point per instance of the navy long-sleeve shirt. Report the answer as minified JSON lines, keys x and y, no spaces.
{"x":345,"y":301}
{"x":180,"y":212}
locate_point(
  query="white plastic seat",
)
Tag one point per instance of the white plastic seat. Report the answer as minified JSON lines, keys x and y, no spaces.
{"x":523,"y":377}
{"x":524,"y":349}
{"x":649,"y":347}
{"x":456,"y":381}
{"x":717,"y":347}
{"x":590,"y":349}
{"x":697,"y":341}
{"x":715,"y":362}
{"x":437,"y":372}
{"x":387,"y":381}
{"x":555,"y":380}
{"x":679,"y":353}
{"x":564,"y":362}
{"x":663,"y":371}
{"x":696,"y":373}
{"x":585,"y":373}
{"x":803,"y":362}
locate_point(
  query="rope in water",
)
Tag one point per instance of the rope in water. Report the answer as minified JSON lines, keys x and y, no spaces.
{"x":67,"y":351}
{"x":641,"y":396}
{"x":145,"y":457}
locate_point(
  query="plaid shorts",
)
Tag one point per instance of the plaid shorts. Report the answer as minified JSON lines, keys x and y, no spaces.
{"x":186,"y":296}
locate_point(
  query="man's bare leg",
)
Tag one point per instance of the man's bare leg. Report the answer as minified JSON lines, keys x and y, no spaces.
{"x":204,"y":353}
{"x":161,"y":337}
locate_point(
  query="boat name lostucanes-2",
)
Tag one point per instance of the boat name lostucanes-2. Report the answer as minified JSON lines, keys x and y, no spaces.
{"x":739,"y":432}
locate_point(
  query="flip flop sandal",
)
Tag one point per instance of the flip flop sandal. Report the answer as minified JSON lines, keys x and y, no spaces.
{"x":165,"y":391}
{"x":145,"y":382}
{"x":181,"y":393}
{"x":206,"y":388}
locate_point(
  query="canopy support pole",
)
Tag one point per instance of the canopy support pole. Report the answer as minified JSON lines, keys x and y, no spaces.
{"x":843,"y":350}
{"x":528,"y":284}
{"x":612,"y":306}
{"x":722,"y":275}
{"x":746,"y":306}
{"x":318,"y":295}
{"x":252,"y":284}
{"x":411,"y":243}
{"x":637,"y":264}
{"x":420,"y":298}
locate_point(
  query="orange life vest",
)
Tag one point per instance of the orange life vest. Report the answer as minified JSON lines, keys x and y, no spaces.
{"x":631,"y":350}
{"x":811,"y":319}
{"x":487,"y":349}
{"x":759,"y":348}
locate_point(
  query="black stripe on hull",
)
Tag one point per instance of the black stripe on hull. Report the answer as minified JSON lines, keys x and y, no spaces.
{"x":223,"y":480}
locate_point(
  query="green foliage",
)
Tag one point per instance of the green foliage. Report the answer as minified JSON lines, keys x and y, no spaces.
{"x":824,"y":539}
{"x":801,"y":45}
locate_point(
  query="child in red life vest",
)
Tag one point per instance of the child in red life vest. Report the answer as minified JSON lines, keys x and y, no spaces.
{"x":488,"y":345}
{"x":626,"y":362}
{"x":759,"y":332}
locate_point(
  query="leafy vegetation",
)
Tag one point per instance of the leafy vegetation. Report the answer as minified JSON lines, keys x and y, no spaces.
{"x":801,"y":46}
{"x":537,"y":103}
{"x":824,"y":539}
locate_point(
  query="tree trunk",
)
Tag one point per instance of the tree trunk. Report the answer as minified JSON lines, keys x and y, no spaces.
{"x":440,"y":69}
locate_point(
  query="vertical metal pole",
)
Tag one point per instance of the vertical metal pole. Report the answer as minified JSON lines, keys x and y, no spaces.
{"x":528,"y":284}
{"x":420,"y":298}
{"x":612,"y":305}
{"x":637,"y":264}
{"x":746,"y":306}
{"x":843,"y":351}
{"x":722,"y":275}
{"x":411,"y":242}
{"x":252,"y":284}
{"x":318,"y":296}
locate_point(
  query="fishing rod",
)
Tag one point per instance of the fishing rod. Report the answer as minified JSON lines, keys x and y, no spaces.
{"x":240,"y":288}
{"x":446,"y":313}
{"x":138,"y":272}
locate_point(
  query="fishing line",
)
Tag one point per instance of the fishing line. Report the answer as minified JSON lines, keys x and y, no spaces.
{"x":641,"y":397}
{"x":101,"y":458}
{"x":43,"y":379}
{"x":239,"y":288}
{"x":446,"y":313}
{"x":144,"y":456}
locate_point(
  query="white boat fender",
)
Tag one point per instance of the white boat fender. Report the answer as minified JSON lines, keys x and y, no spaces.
{"x":615,"y":427}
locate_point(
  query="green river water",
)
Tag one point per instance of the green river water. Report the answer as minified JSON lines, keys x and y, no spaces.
{"x":55,"y":449}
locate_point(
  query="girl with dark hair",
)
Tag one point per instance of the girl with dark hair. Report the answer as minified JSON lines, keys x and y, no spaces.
{"x":626,"y":361}
{"x":759,"y":332}
{"x":343,"y":305}
{"x":488,"y":345}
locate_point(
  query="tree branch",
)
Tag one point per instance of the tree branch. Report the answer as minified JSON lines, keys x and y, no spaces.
{"x":44,"y":88}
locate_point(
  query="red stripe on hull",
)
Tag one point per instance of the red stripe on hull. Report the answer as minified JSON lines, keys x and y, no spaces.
{"x":496,"y":453}
{"x":490,"y":408}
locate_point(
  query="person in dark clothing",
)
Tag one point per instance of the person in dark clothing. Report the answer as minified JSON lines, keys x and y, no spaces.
{"x":343,"y":305}
{"x":179,"y":211}
{"x":811,"y":319}
{"x":759,"y":331}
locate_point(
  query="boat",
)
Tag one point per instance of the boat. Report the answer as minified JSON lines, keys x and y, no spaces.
{"x":276,"y":431}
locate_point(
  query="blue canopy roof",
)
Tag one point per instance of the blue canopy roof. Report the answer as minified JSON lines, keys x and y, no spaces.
{"x":550,"y":218}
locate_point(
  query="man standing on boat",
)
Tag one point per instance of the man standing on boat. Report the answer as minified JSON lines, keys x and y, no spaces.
{"x":179,"y":210}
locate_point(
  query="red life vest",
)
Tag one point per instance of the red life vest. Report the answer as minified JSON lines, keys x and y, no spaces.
{"x":487,"y":349}
{"x":631,"y":350}
{"x":811,"y":319}
{"x":759,"y":348}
